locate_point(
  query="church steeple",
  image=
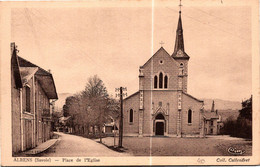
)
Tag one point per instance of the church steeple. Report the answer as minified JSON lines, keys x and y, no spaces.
{"x":179,"y":44}
{"x":179,"y":52}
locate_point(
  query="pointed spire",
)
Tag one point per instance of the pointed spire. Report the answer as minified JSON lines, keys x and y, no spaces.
{"x":213,"y":106}
{"x":179,"y":43}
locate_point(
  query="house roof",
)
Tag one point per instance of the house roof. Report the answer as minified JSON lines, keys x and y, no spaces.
{"x":27,"y":73}
{"x":15,"y":67}
{"x":44,"y":77}
{"x":211,"y":115}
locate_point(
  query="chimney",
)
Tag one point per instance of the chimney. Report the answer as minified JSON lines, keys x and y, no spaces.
{"x":213,"y":106}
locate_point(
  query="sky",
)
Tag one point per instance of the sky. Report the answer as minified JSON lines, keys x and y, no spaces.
{"x":112,"y":42}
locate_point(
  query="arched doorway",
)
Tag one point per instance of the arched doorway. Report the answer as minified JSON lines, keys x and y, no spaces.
{"x":159,"y":125}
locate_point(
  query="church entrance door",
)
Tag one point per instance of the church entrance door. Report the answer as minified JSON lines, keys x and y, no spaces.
{"x":159,"y":124}
{"x":159,"y":128}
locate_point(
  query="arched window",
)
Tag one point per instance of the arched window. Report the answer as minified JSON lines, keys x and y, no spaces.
{"x":166,"y":82}
{"x":160,"y":80}
{"x":131,"y":116}
{"x":189,"y":116}
{"x":181,"y":65}
{"x":28,"y":99}
{"x":155,"y":81}
{"x":181,"y":70}
{"x":159,"y":116}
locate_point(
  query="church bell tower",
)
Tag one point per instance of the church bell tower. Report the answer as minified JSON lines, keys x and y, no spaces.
{"x":181,"y":56}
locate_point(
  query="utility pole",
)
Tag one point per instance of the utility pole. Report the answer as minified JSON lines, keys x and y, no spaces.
{"x":121,"y":119}
{"x":121,"y":94}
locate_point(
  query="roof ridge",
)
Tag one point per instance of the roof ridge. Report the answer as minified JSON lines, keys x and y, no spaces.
{"x":32,"y":64}
{"x":131,"y":95}
{"x":193,"y":97}
{"x":161,"y":48}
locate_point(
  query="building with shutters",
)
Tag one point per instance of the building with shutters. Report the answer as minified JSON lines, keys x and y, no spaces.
{"x":162,"y":105}
{"x":212,"y":121}
{"x":32,"y":92}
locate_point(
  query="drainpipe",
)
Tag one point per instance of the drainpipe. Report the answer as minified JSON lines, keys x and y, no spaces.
{"x":34,"y":110}
{"x":21,"y":118}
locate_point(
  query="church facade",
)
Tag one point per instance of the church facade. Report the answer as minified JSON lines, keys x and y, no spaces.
{"x":162,"y":105}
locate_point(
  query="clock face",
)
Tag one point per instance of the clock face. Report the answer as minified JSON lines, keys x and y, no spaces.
{"x":179,"y":53}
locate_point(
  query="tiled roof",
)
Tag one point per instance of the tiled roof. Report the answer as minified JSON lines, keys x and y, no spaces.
{"x":211,"y":115}
{"x":44,"y":77}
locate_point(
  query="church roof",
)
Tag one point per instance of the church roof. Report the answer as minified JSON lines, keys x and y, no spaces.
{"x":161,"y":49}
{"x":193,"y":97}
{"x":179,"y":51}
{"x":131,"y":95}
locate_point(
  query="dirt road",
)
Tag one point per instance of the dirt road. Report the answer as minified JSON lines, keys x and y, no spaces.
{"x":77,"y":146}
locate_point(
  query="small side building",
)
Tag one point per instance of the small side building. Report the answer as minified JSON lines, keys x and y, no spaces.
{"x":32,"y":91}
{"x":212,"y":121}
{"x":110,"y":126}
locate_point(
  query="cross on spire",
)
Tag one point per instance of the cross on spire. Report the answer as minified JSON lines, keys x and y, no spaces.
{"x":180,"y":5}
{"x":161,"y":43}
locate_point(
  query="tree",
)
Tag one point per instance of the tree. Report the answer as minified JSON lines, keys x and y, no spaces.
{"x":95,"y":88}
{"x":66,"y":107}
{"x":55,"y":117}
{"x":246,"y":111}
{"x":91,"y":107}
{"x":244,"y":120}
{"x":96,"y":94}
{"x":242,"y":127}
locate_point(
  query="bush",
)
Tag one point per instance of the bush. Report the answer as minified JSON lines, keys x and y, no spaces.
{"x":242,"y":127}
{"x":237,"y":128}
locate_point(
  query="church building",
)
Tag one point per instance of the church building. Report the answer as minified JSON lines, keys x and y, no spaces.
{"x":162,"y":105}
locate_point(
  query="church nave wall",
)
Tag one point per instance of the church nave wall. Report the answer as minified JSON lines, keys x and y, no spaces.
{"x":131,"y":103}
{"x":195,"y":106}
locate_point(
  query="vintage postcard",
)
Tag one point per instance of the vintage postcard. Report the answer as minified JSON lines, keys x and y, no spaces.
{"x":150,"y":82}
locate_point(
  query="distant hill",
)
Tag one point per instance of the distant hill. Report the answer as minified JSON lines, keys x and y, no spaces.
{"x":228,"y":113}
{"x":61,"y":101}
{"x":225,"y":108}
{"x":222,"y":104}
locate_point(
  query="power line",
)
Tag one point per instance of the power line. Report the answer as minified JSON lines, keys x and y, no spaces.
{"x":202,"y":11}
{"x":214,"y":27}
